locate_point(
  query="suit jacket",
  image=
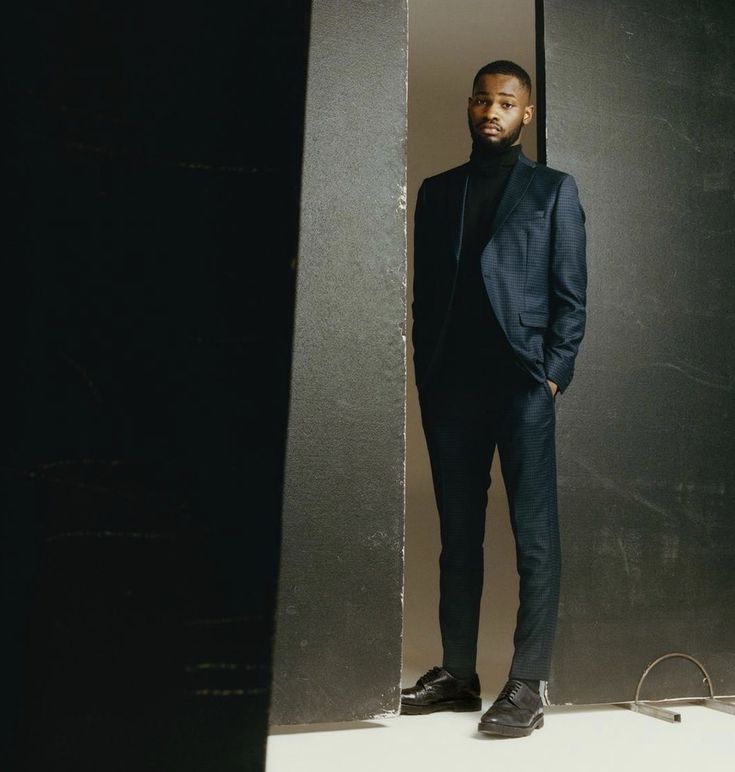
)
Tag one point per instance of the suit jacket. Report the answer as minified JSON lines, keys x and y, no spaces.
{"x":533,"y":267}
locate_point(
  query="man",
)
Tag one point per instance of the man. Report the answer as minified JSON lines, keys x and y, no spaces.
{"x":498,"y":316}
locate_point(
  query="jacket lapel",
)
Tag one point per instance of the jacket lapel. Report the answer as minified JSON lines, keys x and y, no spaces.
{"x":458,"y":196}
{"x":518,"y":182}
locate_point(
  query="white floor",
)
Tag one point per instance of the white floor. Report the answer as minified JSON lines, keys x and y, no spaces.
{"x":589,"y":739}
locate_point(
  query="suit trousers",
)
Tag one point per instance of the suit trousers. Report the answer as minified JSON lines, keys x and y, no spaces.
{"x":466,"y":414}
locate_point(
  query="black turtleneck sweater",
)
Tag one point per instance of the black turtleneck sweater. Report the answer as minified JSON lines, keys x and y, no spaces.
{"x":475,"y":341}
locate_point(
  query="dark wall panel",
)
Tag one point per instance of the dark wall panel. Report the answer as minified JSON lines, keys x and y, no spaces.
{"x":640,"y":102}
{"x":151,"y":172}
{"x":338,"y":632}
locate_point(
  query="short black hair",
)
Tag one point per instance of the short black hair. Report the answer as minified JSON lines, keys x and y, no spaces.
{"x":504,"y":67}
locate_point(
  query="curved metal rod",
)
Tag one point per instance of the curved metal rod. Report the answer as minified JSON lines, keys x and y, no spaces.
{"x":668,"y":656}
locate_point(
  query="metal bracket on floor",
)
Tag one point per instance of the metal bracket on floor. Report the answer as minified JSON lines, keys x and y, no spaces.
{"x":670,"y":715}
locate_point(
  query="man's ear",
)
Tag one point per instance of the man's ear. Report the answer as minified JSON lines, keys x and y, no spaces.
{"x":528,"y":114}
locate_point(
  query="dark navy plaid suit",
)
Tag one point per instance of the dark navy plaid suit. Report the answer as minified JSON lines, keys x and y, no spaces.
{"x":534,"y":271}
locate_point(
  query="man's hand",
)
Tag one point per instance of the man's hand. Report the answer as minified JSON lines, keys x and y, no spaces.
{"x":554,"y":388}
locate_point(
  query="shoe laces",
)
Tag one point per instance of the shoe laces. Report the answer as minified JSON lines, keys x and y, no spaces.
{"x":510,"y":690}
{"x":430,"y":674}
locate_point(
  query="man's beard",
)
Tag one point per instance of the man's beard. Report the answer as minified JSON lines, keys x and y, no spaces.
{"x":494,"y":148}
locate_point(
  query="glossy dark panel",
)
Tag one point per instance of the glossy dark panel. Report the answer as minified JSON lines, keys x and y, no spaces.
{"x":338,"y":632}
{"x":152,"y":173}
{"x":640,"y":104}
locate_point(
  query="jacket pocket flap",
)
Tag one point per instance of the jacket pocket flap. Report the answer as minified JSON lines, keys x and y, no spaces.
{"x":533,"y":318}
{"x":534,"y":214}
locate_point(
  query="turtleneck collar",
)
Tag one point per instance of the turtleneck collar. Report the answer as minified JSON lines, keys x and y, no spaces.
{"x":487,"y":162}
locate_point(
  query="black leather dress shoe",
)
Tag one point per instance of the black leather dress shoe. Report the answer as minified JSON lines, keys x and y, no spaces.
{"x":516,"y":712}
{"x":438,"y":690}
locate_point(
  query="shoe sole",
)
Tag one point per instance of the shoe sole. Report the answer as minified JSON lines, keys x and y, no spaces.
{"x":504,"y":730}
{"x":458,"y":706}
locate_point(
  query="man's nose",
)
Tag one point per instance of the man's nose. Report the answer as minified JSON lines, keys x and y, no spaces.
{"x":490,"y":112}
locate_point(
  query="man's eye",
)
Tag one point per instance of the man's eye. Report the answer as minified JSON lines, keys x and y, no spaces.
{"x":507,"y":104}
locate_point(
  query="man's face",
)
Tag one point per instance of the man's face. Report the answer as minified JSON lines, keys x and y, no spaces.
{"x":498,"y":110}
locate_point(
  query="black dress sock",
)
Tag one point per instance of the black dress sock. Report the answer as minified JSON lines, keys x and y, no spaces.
{"x":460,"y":672}
{"x":531,"y":684}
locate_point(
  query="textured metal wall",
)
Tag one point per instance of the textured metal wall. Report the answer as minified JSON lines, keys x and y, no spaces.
{"x":640,"y":105}
{"x":338,"y":632}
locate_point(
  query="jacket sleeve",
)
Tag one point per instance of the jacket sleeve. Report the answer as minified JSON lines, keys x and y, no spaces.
{"x":420,"y":243}
{"x":567,"y":284}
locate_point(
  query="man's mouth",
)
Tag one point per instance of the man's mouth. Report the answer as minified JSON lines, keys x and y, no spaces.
{"x":490,"y":129}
